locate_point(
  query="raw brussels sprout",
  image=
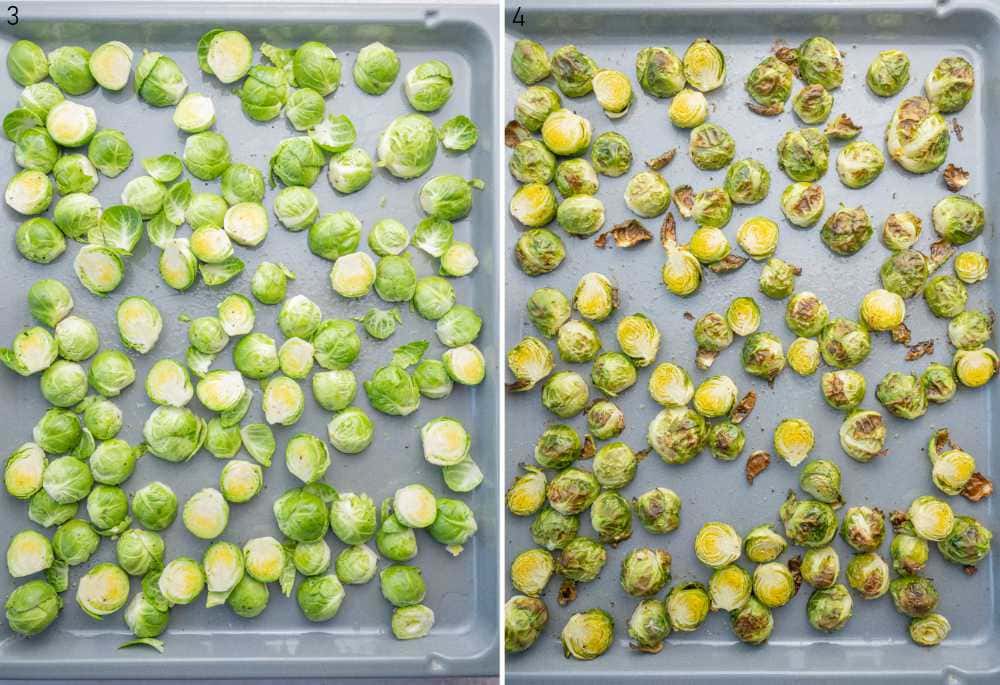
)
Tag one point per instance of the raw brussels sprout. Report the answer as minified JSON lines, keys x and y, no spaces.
{"x":307,"y":457}
{"x":407,"y":147}
{"x":158,"y":80}
{"x":566,"y":133}
{"x":47,"y":512}
{"x":524,"y":619}
{"x":862,"y":435}
{"x":256,"y":356}
{"x":301,"y":515}
{"x":282,"y":401}
{"x":433,"y":297}
{"x":49,"y":301}
{"x":113,"y":461}
{"x":777,"y":278}
{"x":967,"y":544}
{"x":194,"y":113}
{"x":688,"y":605}
{"x":298,"y":161}
{"x":350,"y":431}
{"x":269,"y":282}
{"x":107,"y":508}
{"x":110,"y":152}
{"x":615,"y":465}
{"x":74,"y":542}
{"x":57,"y":432}
{"x":465,"y":365}
{"x":174,"y":434}
{"x":40,"y":98}
{"x":394,"y":540}
{"x":820,"y":567}
{"x":350,"y":171}
{"x":868,"y":574}
{"x":645,"y":571}
{"x":242,"y":183}
{"x":433,"y":235}
{"x":402,"y":585}
{"x":613,"y":92}
{"x":206,"y":514}
{"x":688,"y":109}
{"x":587,"y":635}
{"x":458,"y":260}
{"x":975,"y":368}
{"x":139,"y":551}
{"x":917,"y":136}
{"x":821,"y":62}
{"x":375,"y":68}
{"x":572,"y":491}
{"x":580,"y":215}
{"x":859,"y":163}
{"x":211,"y":245}
{"x":34,"y":149}
{"x":79,"y":217}
{"x":902,"y":394}
{"x":336,"y":343}
{"x":305,"y":109}
{"x":295,"y":358}
{"x":391,"y":390}
{"x":29,"y":192}
{"x":808,"y":523}
{"x":352,"y":518}
{"x":433,"y":380}
{"x":32,"y":350}
{"x":264,"y":559}
{"x":139,"y":323}
{"x":448,"y":197}
{"x":181,"y":581}
{"x":32,"y":607}
{"x":40,"y":240}
{"x":659,"y":71}
{"x":529,"y":61}
{"x":804,"y":154}
{"x":103,"y":590}
{"x":769,"y":84}
{"x":611,"y":154}
{"x":263,"y":92}
{"x":844,"y":343}
{"x":704,"y":66}
{"x":320,"y":597}
{"x":387,"y":237}
{"x":888,"y":73}
{"x":334,"y":134}
{"x":20,"y":119}
{"x":353,"y":275}
{"x":803,"y":204}
{"x":812,"y":104}
{"x":677,"y":434}
{"x":27,"y":63}
{"x":428,"y":86}
{"x":206,"y":209}
{"x":69,"y":69}
{"x":356,"y":565}
{"x":729,"y":588}
{"x":23,"y":471}
{"x":830,"y":607}
{"x":715,"y":396}
{"x":949,"y":86}
{"x":28,"y":552}
{"x":773,"y":584}
{"x":240,"y":481}
{"x":453,"y":525}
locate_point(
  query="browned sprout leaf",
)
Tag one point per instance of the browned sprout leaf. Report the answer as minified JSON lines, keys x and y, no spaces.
{"x":979,"y":487}
{"x":515,"y":132}
{"x":901,"y":334}
{"x":660,"y":161}
{"x":589,"y":448}
{"x":969,"y":570}
{"x":704,"y":359}
{"x":730,"y":262}
{"x":955,"y":178}
{"x":626,"y":234}
{"x":519,"y":386}
{"x":684,"y":199}
{"x":789,"y":56}
{"x":957,"y":128}
{"x":842,"y":128}
{"x":567,"y":592}
{"x":743,"y":408}
{"x":688,"y":316}
{"x":920,"y":349}
{"x":656,"y":649}
{"x":756,"y":463}
{"x":668,"y":231}
{"x":771,"y":110}
{"x":942,"y":439}
{"x":795,"y":567}
{"x":941,"y":251}
{"x":899,"y":521}
{"x":642,"y":454}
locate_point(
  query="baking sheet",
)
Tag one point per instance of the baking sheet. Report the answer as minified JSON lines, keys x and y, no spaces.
{"x":874,"y":646}
{"x":280,"y":643}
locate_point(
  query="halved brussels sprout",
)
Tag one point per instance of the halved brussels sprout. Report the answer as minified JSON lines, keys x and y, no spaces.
{"x":566,"y":133}
{"x":677,"y":434}
{"x":529,"y":61}
{"x":717,"y":544}
{"x":863,"y":528}
{"x":769,"y":84}
{"x":773,"y":584}
{"x":407,"y":147}
{"x":975,"y":368}
{"x":573,"y":71}
{"x":704,"y":66}
{"x":929,"y":631}
{"x":803,"y":203}
{"x":949,"y":86}
{"x":27,"y":63}
{"x":586,"y":635}
{"x":576,"y":177}
{"x":813,"y":104}
{"x":882,"y":310}
{"x":613,"y":92}
{"x":572,"y":491}
{"x":645,"y":571}
{"x":375,"y":68}
{"x":465,"y":364}
{"x":28,"y":552}
{"x":859,"y":163}
{"x":711,"y":147}
{"x":715,"y":396}
{"x":763,"y":355}
{"x":808,"y":523}
{"x":862,"y":435}
{"x":659,"y":71}
{"x":428,"y":86}
{"x":829,"y":607}
{"x":611,"y":154}
{"x":820,"y":61}
{"x":282,"y":401}
{"x":729,"y":588}
{"x":820,"y":567}
{"x":902,"y":394}
{"x":350,"y":431}
{"x":103,"y":590}
{"x":804,"y":356}
{"x":804,"y":154}
{"x":917,"y":136}
{"x":356,"y":565}
{"x":743,"y":316}
{"x":844,"y":343}
{"x":762,"y":544}
{"x":968,"y":543}
{"x":888,"y":73}
{"x":931,"y":518}
{"x":777,"y":278}
{"x":688,"y":605}
{"x":868,"y":574}
{"x":758,"y":236}
{"x":29,"y":192}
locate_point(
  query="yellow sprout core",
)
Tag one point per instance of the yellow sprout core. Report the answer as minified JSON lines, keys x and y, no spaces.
{"x":803,"y":356}
{"x":882,"y":310}
{"x":717,"y":544}
{"x":793,"y":440}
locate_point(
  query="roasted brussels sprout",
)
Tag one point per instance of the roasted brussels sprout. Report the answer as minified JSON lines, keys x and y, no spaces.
{"x":645,"y":571}
{"x":945,"y":296}
{"x":605,"y":420}
{"x":763,"y":355}
{"x":769,"y":84}
{"x":730,"y":588}
{"x":820,"y":567}
{"x":659,"y":71}
{"x":743,"y":316}
{"x":882,"y":310}
{"x":688,"y":109}
{"x":762,"y":544}
{"x":553,"y":530}
{"x":812,"y":104}
{"x":931,"y":518}
{"x":909,"y":554}
{"x":902,"y":394}
{"x":711,"y":147}
{"x":888,"y":73}
{"x":821,"y":479}
{"x":573,"y":70}
{"x":862,"y":435}
{"x":975,"y":368}
{"x":917,"y":136}
{"x":863,"y":528}
{"x":949,"y":86}
{"x":658,"y":510}
{"x":581,"y":560}
{"x":967,"y":544}
{"x":588,"y":635}
{"x":704,"y":66}
{"x":808,"y":523}
{"x":717,"y":544}
{"x":572,"y":491}
{"x":868,"y":574}
{"x":677,"y":434}
{"x":688,"y":605}
{"x":930,"y":630}
{"x":524,"y":619}
{"x":758,"y":236}
{"x":829,"y":608}
{"x":803,"y":204}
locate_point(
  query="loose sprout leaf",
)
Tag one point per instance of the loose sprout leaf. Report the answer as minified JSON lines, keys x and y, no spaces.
{"x":458,"y":133}
{"x":214,"y":599}
{"x":57,"y":575}
{"x":756,"y":463}
{"x":465,"y":476}
{"x":17,"y":122}
{"x":198,"y":362}
{"x":219,"y":274}
{"x":324,"y":491}
{"x":514,"y":133}
{"x":165,"y":168}
{"x":409,"y":354}
{"x":978,"y":487}
{"x":160,"y":230}
{"x":660,"y":161}
{"x":920,"y":349}
{"x":176,"y":201}
{"x":336,"y":133}
{"x":120,"y":228}
{"x":233,"y":416}
{"x":144,"y":641}
{"x":287,"y":579}
{"x":433,"y":236}
{"x":202,"y":49}
{"x":626,"y":234}
{"x":259,"y":442}
{"x":955,"y":177}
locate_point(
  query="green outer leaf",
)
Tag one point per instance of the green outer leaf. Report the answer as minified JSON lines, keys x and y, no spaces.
{"x":146,"y":641}
{"x":219,"y":274}
{"x":176,"y":201}
{"x":287,"y":579}
{"x":165,"y":168}
{"x":231,"y":417}
{"x":160,"y":230}
{"x":458,"y":133}
{"x":120,"y":228}
{"x":259,"y":442}
{"x":409,"y":354}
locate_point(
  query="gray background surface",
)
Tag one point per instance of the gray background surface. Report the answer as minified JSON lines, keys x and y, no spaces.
{"x":874,"y":645}
{"x":280,"y":643}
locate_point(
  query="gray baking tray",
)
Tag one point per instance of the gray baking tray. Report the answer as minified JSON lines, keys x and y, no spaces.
{"x":874,"y":646}
{"x":280,"y":643}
